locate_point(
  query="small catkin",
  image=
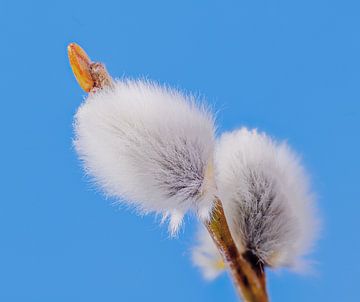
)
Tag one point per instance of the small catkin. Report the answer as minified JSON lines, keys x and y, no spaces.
{"x":149,"y":146}
{"x":266,"y":197}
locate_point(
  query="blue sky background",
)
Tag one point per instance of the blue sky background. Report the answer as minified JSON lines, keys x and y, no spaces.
{"x":291,"y":68}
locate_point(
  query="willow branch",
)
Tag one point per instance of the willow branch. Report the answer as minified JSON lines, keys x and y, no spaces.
{"x":248,"y":276}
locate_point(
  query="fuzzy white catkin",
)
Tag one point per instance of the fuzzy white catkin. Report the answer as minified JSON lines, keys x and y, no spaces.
{"x":266,"y":197}
{"x":150,"y":146}
{"x":206,"y":256}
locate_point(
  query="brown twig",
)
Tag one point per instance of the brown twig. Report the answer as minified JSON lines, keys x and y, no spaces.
{"x":248,"y":276}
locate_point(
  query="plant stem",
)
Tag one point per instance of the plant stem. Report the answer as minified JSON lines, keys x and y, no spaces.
{"x":248,"y":275}
{"x":249,"y":278}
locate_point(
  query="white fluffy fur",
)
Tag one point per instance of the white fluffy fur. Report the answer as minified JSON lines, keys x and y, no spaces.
{"x":149,"y":145}
{"x":266,"y":197}
{"x":206,"y":256}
